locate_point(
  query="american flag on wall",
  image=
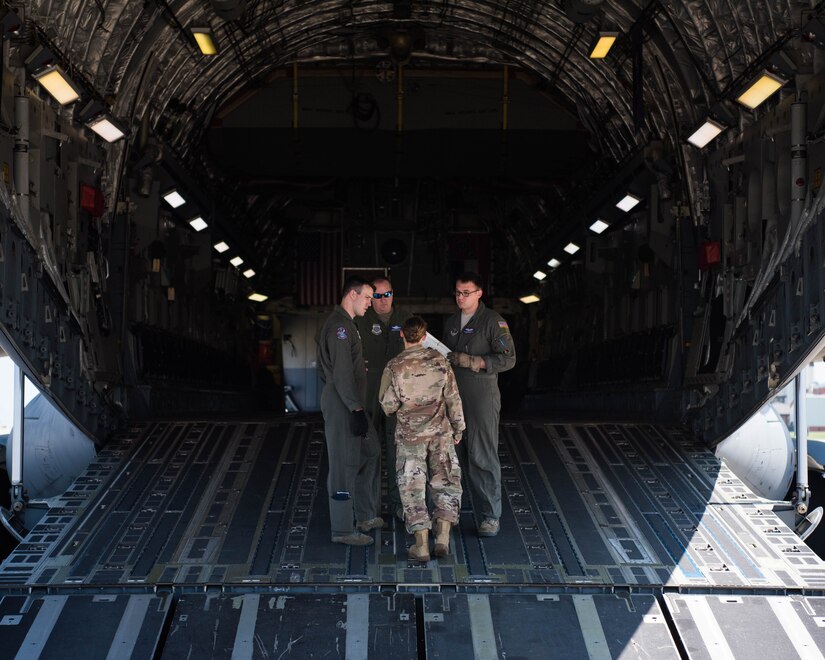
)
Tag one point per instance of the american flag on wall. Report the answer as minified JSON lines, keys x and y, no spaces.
{"x":319,"y":267}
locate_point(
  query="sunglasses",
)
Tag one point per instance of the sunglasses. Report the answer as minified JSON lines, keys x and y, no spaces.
{"x":386,"y":294}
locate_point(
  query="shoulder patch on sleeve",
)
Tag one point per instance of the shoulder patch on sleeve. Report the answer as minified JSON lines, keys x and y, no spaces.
{"x":341,"y":333}
{"x":503,"y":324}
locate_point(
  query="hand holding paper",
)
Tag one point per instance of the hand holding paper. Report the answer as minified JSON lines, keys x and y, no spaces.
{"x":432,"y":342}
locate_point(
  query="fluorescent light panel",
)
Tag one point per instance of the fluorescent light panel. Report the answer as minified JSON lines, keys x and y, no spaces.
{"x":603,"y":44}
{"x":221,"y":247}
{"x":554,"y":263}
{"x":571,"y":248}
{"x":599,"y":226}
{"x":532,"y":298}
{"x":174,"y":199}
{"x":705,"y":133}
{"x":58,"y":84}
{"x":198,"y":223}
{"x":257,"y":297}
{"x":760,"y":89}
{"x":106,"y":128}
{"x":539,"y":275}
{"x":249,"y":273}
{"x":628,"y":202}
{"x":206,"y":41}
{"x":236,"y":261}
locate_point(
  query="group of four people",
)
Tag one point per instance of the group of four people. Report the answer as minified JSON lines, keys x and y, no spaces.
{"x":382,"y":385}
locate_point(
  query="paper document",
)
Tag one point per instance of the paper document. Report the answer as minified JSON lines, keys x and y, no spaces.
{"x":432,"y":342}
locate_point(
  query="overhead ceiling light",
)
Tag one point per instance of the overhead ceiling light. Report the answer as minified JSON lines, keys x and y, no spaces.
{"x":599,"y":226}
{"x":628,"y":202}
{"x":249,"y":273}
{"x":603,"y":43}
{"x":236,"y":261}
{"x":765,"y":84}
{"x":106,"y":127}
{"x":198,"y":223}
{"x":221,"y":247}
{"x":206,"y":41}
{"x":571,"y":248}
{"x":58,"y":84}
{"x":174,"y":199}
{"x":705,"y":133}
{"x":532,"y":298}
{"x":539,"y":275}
{"x":257,"y":297}
{"x":554,"y":263}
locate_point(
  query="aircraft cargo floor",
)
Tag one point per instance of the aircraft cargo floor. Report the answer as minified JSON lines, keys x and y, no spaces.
{"x":211,"y":539}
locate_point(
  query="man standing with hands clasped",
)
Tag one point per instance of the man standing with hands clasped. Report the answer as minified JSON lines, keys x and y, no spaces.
{"x":481,"y":346}
{"x":352,"y":446}
{"x":380,"y":329}
{"x":419,"y":386}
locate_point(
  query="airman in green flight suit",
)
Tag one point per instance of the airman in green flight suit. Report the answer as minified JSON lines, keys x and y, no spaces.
{"x":380,"y":329}
{"x":352,"y":446}
{"x":481,"y":346}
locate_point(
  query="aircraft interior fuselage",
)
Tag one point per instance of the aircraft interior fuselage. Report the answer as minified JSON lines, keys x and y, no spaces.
{"x":187,"y":184}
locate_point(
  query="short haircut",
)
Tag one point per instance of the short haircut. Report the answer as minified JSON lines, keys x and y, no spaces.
{"x":354,"y":284}
{"x":414,"y":329}
{"x":469,"y":276}
{"x":381,"y":278}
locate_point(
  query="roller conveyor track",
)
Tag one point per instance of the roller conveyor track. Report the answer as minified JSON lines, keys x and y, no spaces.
{"x":614,"y":537}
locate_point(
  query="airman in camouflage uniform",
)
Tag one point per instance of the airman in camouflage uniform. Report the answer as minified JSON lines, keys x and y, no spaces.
{"x":420,"y":388}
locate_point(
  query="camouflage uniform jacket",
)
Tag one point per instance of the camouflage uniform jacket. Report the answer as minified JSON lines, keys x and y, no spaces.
{"x":419,"y":386}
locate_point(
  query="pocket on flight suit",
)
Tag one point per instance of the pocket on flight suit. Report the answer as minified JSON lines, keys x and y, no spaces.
{"x":448,"y":460}
{"x":370,"y":446}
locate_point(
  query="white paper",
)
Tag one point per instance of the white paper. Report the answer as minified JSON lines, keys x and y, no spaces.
{"x":432,"y":342}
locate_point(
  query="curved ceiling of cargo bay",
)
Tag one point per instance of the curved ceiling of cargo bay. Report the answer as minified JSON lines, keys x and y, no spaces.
{"x":141,"y":54}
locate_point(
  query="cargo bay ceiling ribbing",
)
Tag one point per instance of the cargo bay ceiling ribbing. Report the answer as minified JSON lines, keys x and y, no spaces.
{"x":141,"y":61}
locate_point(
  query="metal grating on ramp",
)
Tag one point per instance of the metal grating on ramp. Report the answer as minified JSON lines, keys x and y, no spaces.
{"x":244,"y":504}
{"x":609,"y":532}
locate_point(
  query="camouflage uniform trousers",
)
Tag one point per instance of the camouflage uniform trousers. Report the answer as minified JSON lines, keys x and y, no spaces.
{"x":412,"y":463}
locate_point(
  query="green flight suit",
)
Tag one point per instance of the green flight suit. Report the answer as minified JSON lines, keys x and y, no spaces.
{"x":486,"y":334}
{"x":354,"y":477}
{"x":382,"y":342}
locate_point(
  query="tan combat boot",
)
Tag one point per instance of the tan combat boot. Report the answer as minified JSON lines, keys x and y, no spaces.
{"x":421,"y":550}
{"x":442,"y":537}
